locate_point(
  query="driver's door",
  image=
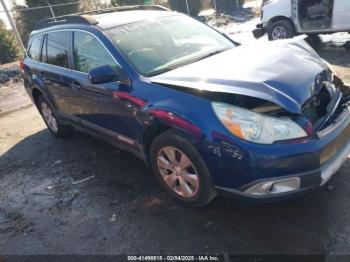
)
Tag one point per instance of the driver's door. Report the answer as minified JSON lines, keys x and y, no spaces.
{"x":96,"y":105}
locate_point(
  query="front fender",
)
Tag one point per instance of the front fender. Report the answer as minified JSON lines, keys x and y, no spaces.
{"x":174,"y":120}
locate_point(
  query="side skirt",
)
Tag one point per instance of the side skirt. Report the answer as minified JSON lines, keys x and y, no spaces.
{"x":117,"y":140}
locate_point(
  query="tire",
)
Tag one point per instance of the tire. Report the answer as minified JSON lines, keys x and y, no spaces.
{"x":202,"y":187}
{"x":281,"y":29}
{"x":53,"y":124}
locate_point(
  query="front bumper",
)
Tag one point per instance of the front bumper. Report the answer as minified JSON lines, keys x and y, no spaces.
{"x":293,"y":167}
{"x":259,"y":31}
{"x":308,"y":180}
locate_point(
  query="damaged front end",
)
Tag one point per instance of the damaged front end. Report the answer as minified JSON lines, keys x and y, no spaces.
{"x":329,"y":106}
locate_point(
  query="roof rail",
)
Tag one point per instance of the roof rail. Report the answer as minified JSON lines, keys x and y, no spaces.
{"x":61,"y":20}
{"x":87,"y":19}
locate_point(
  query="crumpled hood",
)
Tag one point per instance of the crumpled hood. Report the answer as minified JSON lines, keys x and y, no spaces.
{"x":282,"y":72}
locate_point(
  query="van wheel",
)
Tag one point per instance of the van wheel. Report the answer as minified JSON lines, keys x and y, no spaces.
{"x":50,"y":119}
{"x":281,"y":29}
{"x":180,"y":169}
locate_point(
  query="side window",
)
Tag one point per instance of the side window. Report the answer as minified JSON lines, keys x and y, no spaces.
{"x":57,"y":45}
{"x":35,"y":48}
{"x":89,"y":53}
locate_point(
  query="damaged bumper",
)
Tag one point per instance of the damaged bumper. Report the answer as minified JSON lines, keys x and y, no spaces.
{"x":291,"y":185}
{"x":301,"y":168}
{"x":259,"y":31}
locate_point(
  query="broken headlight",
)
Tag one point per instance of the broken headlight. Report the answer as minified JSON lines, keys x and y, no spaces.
{"x":255,"y":127}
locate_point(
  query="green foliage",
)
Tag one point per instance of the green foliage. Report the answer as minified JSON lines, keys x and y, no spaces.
{"x":26,"y":19}
{"x":2,"y":24}
{"x":127,"y":2}
{"x":180,"y":6}
{"x":9,"y":51}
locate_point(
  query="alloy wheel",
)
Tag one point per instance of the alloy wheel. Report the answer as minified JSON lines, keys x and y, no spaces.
{"x":178,"y":172}
{"x":49,"y":117}
{"x":278,"y":33}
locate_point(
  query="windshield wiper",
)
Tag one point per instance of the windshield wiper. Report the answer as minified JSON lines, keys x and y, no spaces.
{"x":210,"y":54}
{"x":163,"y":70}
{"x":173,"y":67}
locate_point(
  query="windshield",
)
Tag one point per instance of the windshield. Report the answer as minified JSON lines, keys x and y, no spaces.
{"x":156,"y":46}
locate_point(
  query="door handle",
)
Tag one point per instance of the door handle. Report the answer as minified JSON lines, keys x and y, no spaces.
{"x":75,"y":86}
{"x":43,"y":76}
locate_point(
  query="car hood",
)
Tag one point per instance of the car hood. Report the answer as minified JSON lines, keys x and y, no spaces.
{"x":282,"y":72}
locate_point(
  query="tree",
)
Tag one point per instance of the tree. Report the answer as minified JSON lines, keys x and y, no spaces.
{"x":127,"y":2}
{"x":8,"y":45}
{"x":26,"y":19}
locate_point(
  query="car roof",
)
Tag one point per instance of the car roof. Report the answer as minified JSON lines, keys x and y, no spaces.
{"x":108,"y":20}
{"x":103,"y":20}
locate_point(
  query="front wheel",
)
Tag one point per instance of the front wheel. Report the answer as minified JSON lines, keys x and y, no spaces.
{"x":181,"y":170}
{"x":281,"y":29}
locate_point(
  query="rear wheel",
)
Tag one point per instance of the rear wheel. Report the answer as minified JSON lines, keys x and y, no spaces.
{"x":281,"y":29}
{"x":181,"y":170}
{"x":51,"y":120}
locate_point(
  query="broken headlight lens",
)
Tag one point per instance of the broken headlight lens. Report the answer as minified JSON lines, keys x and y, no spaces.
{"x":255,"y":127}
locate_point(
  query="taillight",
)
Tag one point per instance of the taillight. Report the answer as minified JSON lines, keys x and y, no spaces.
{"x":21,"y":64}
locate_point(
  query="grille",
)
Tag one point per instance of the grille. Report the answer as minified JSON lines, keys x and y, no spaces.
{"x":316,"y":108}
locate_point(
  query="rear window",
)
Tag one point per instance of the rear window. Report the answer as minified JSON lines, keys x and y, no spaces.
{"x":34,"y":51}
{"x":57,"y":44}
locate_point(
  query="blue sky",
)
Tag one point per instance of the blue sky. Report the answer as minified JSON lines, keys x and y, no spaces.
{"x":9,"y":4}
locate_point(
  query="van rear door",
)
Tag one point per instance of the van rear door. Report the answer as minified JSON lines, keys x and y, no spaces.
{"x":341,"y":17}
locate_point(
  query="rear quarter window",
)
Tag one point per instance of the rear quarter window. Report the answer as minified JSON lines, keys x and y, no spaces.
{"x":34,"y":50}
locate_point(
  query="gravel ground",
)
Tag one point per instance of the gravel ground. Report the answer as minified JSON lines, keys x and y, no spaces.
{"x":121,"y":210}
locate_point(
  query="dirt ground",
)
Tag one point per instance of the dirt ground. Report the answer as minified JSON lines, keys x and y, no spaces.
{"x":121,"y":210}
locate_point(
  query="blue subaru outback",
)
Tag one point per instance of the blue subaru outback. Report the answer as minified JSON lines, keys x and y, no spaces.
{"x":209,"y":116}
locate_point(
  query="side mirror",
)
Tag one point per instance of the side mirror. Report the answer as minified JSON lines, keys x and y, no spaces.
{"x":103,"y":74}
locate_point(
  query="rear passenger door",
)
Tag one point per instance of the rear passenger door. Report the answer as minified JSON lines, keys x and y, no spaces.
{"x":56,"y":72}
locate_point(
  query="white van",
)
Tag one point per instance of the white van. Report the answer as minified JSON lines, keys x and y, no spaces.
{"x":283,"y":19}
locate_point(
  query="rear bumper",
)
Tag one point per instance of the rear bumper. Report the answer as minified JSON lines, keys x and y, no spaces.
{"x":259,"y":31}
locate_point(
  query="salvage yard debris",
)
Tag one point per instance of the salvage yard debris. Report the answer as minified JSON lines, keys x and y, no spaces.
{"x":57,"y":162}
{"x":81,"y":180}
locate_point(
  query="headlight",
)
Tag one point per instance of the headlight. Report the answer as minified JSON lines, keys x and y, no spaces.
{"x":255,"y":127}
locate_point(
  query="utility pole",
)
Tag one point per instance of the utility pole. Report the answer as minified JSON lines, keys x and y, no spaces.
{"x":13,"y":25}
{"x":188,"y":8}
{"x":237,"y":3}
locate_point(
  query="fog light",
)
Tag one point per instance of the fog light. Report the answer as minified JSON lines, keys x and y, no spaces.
{"x":274,"y":187}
